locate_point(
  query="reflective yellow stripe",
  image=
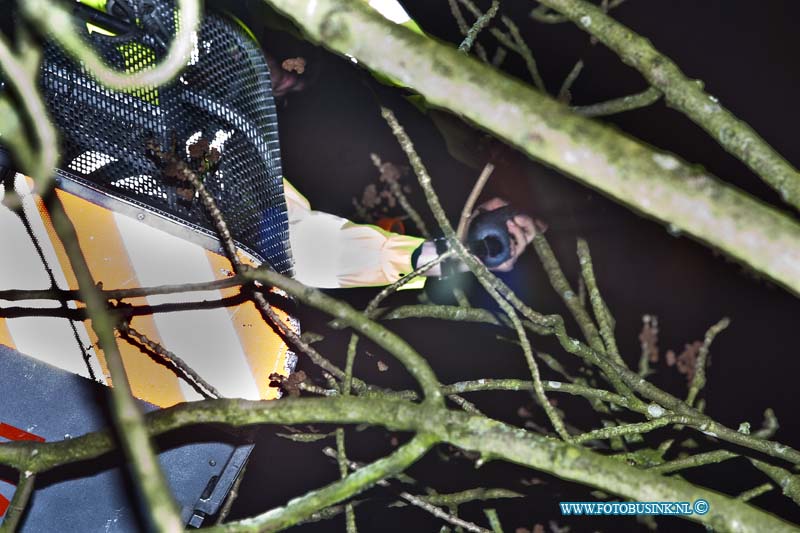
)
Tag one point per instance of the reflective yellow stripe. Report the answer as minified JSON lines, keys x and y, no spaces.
{"x":54,"y":340}
{"x":233,"y":348}
{"x":100,"y":243}
{"x":137,"y":58}
{"x":202,"y":336}
{"x":5,"y":335}
{"x":72,"y":282}
{"x":265,"y":351}
{"x":108,"y":261}
{"x":99,"y":5}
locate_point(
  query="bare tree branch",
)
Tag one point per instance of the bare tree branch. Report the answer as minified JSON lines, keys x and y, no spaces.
{"x":653,"y":183}
{"x":686,"y":95}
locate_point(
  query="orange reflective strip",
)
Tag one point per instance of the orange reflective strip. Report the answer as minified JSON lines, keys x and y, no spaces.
{"x":5,"y":335}
{"x":69,"y":275}
{"x":102,"y":247}
{"x":264,"y":349}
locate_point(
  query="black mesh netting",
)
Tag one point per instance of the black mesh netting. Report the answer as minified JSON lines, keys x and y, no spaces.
{"x":224,"y":96}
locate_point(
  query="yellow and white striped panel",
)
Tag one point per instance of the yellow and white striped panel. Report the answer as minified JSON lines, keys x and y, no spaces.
{"x":232,"y":348}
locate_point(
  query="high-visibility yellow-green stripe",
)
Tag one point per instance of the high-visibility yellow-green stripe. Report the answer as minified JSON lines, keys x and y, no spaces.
{"x":100,"y":5}
{"x":139,"y":57}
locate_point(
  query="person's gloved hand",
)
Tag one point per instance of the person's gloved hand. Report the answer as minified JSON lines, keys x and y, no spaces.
{"x":521,"y":230}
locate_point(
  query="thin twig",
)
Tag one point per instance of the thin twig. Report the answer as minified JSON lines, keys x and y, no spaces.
{"x":630,"y":429}
{"x":755,"y":492}
{"x":549,"y":385}
{"x":630,"y":380}
{"x":494,"y":520}
{"x":693,"y":461}
{"x":564,"y":91}
{"x":442,"y":514}
{"x":231,"y":252}
{"x":369,"y":312}
{"x":394,"y":287}
{"x":59,"y":294}
{"x":463,"y":27}
{"x":522,"y":48}
{"x":341,"y":457}
{"x":562,"y":286}
{"x":620,"y":105}
{"x":469,"y":206}
{"x":486,"y":278}
{"x":479,"y":25}
{"x":598,"y":305}
{"x":701,"y":421}
{"x":499,"y":56}
{"x":699,"y":378}
{"x":465,"y":404}
{"x":186,"y":371}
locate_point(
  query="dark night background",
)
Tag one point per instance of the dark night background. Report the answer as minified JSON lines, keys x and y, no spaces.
{"x":746,"y":53}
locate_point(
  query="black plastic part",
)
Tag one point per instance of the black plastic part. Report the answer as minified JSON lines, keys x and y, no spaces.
{"x":488,"y":236}
{"x":6,"y":165}
{"x":114,"y":24}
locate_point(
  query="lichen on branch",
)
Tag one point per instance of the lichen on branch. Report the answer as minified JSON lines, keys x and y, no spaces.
{"x":656,"y":184}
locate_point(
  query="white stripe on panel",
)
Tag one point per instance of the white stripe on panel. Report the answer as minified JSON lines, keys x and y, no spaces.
{"x":49,"y":339}
{"x":206,"y":338}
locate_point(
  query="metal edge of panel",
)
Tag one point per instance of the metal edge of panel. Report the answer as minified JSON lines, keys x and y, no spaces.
{"x":142,"y":212}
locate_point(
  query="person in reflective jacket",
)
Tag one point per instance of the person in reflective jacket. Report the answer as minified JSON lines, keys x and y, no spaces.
{"x":135,"y":229}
